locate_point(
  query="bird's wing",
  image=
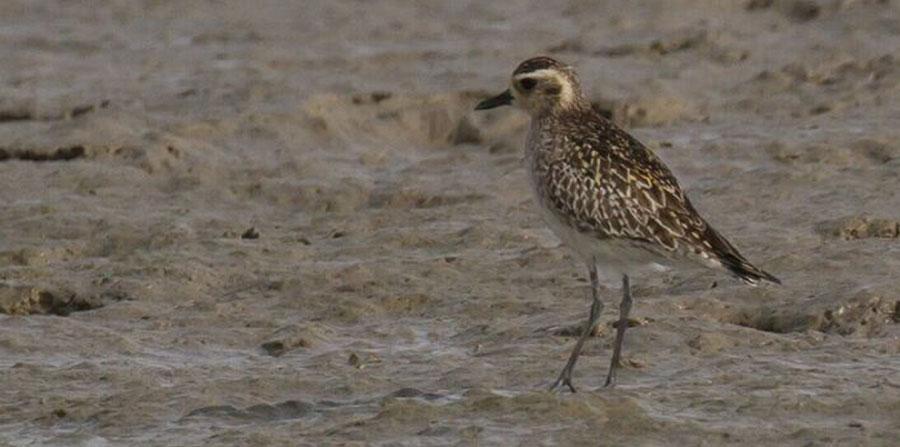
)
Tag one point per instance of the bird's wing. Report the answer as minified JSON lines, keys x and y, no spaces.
{"x":614,"y":187}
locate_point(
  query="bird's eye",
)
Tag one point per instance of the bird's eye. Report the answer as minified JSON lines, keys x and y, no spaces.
{"x":527,"y":84}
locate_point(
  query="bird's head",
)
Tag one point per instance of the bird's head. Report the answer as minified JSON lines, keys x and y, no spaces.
{"x":539,"y":86}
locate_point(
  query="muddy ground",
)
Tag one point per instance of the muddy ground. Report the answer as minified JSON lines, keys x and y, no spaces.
{"x":280,"y":223}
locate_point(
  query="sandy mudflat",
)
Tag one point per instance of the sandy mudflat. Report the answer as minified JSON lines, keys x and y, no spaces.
{"x":280,"y":223}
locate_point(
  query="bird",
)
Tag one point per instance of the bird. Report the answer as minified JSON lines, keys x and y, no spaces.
{"x":607,"y":197}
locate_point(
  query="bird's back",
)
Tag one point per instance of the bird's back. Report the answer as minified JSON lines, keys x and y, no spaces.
{"x":600,"y":188}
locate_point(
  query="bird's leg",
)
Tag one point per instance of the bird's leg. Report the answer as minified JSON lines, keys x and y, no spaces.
{"x":624,"y":309}
{"x":565,"y":377}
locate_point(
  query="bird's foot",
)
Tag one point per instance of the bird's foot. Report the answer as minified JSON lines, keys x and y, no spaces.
{"x":565,"y":378}
{"x":611,"y":376}
{"x":610,"y":382}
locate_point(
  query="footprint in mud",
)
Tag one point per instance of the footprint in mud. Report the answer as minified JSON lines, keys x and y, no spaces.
{"x":866,"y":314}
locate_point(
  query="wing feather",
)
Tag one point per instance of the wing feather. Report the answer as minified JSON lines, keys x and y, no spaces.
{"x":611,"y":185}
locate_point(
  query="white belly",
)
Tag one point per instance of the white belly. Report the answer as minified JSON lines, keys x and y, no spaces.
{"x":613,"y":257}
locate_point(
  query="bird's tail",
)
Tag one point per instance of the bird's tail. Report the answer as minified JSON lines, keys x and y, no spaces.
{"x":746,"y":271}
{"x":732,"y":260}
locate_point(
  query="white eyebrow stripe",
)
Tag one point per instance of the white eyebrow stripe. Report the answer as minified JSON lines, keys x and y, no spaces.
{"x":542,"y":73}
{"x":566,"y":95}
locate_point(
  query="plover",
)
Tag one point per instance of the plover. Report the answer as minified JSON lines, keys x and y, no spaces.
{"x":607,"y":196}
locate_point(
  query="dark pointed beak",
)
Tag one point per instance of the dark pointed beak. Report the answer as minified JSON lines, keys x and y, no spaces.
{"x":503,"y":99}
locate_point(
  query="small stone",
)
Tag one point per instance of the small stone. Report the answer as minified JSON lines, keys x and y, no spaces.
{"x":753,"y":5}
{"x":274,"y":348}
{"x":381,"y":96}
{"x":632,"y":322}
{"x":803,"y":10}
{"x":632,"y":363}
{"x":250,"y":233}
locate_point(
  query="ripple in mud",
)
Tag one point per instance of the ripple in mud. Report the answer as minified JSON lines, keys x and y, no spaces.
{"x":291,"y":409}
{"x":657,"y":109}
{"x":795,"y":10}
{"x":398,"y":198}
{"x":294,"y":409}
{"x":419,"y":121}
{"x":23,"y":113}
{"x":309,"y":195}
{"x":825,"y":86}
{"x":44,"y":154}
{"x":860,"y":227}
{"x":414,"y":393}
{"x":865,"y":152}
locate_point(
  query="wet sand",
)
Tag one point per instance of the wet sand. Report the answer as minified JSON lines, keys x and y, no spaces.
{"x":279,"y":223}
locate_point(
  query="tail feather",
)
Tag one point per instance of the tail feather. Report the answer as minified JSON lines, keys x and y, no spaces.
{"x":746,"y":271}
{"x":732,"y":260}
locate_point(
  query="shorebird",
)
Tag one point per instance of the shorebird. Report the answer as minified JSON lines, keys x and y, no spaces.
{"x":607,"y":196}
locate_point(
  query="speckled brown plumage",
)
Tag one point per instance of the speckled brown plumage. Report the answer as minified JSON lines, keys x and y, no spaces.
{"x":606,"y":195}
{"x":602,"y":182}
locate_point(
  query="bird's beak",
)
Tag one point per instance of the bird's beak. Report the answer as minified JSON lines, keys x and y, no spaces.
{"x":503,"y":99}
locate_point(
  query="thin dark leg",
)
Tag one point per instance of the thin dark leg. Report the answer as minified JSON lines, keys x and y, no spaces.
{"x":565,"y":377}
{"x":624,"y":310}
